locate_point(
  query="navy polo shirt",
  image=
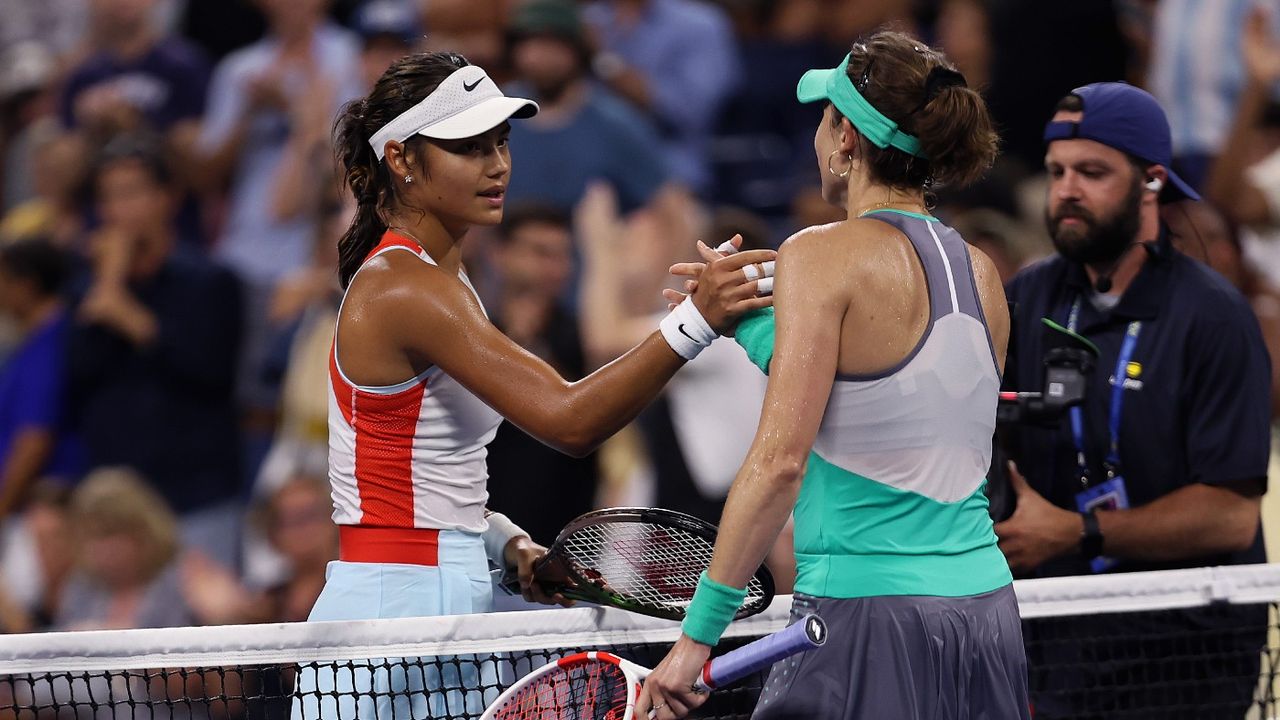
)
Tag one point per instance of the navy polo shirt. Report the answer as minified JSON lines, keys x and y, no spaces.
{"x":1196,"y":405}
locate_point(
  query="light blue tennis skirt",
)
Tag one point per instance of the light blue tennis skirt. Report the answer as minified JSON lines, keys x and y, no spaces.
{"x":401,"y":688}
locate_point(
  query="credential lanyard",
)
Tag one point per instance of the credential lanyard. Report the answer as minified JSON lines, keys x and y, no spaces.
{"x":1112,"y":462}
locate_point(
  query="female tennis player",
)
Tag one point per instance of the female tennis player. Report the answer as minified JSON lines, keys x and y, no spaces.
{"x":420,"y":379}
{"x":877,"y":424}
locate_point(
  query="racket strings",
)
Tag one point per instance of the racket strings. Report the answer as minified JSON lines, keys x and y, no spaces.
{"x":651,"y":564}
{"x":591,"y":690}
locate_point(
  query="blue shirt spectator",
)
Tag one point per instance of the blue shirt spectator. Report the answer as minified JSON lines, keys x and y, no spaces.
{"x":601,"y":139}
{"x":34,"y":438}
{"x":257,"y":243}
{"x":31,"y":396}
{"x":678,"y":60}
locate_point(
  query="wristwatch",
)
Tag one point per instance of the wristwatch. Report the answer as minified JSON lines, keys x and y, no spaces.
{"x":1091,"y":537}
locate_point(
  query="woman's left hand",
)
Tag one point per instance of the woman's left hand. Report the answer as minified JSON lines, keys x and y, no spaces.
{"x":524,"y":554}
{"x":668,"y":692}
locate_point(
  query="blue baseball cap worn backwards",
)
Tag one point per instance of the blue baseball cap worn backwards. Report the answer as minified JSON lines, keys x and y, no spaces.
{"x":1130,"y":120}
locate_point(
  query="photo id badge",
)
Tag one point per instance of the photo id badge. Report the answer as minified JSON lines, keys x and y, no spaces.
{"x":1110,"y":495}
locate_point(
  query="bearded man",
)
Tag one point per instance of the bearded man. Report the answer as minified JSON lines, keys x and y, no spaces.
{"x":1164,"y":464}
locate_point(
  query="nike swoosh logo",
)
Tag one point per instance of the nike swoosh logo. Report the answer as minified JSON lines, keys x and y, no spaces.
{"x":472,"y":86}
{"x":680,"y":327}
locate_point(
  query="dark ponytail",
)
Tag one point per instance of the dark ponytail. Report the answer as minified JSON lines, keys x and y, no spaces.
{"x":403,"y":85}
{"x":368,"y":180}
{"x":918,"y":88}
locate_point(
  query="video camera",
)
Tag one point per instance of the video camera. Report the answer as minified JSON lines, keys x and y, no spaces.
{"x":1069,"y":360}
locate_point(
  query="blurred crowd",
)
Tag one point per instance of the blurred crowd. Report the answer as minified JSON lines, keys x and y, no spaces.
{"x":170,"y":207}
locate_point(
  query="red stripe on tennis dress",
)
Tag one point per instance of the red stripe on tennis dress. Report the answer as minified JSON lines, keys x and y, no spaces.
{"x":385,"y":426}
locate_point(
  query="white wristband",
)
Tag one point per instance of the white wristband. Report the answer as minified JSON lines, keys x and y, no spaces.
{"x":686,"y":331}
{"x":500,"y":532}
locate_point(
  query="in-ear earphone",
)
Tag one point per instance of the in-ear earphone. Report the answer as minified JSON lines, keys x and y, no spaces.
{"x":1154,"y":184}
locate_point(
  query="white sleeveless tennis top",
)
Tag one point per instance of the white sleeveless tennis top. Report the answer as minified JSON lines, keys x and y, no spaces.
{"x":410,"y":455}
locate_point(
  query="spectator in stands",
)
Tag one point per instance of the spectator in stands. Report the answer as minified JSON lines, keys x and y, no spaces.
{"x":1245,"y":179}
{"x":762,"y":154}
{"x":583,"y":131}
{"x":38,"y":556}
{"x":261,"y":99}
{"x":136,"y":79}
{"x":295,"y":518}
{"x":127,"y":541}
{"x":56,"y":24}
{"x":720,"y":388}
{"x":55,"y":167}
{"x":152,"y":355}
{"x":389,"y":30}
{"x":534,"y":260}
{"x":471,"y":28}
{"x":306,"y":305}
{"x":1167,"y":464}
{"x":26,"y":74}
{"x":1198,"y":74}
{"x":676,"y":60}
{"x":35,"y":438}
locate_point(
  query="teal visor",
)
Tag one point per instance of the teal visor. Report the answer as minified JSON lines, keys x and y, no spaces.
{"x":834,"y":85}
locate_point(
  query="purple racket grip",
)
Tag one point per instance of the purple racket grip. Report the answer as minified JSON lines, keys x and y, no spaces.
{"x":809,"y":633}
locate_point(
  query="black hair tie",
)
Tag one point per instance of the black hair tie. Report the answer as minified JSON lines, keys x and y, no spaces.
{"x":940,"y":78}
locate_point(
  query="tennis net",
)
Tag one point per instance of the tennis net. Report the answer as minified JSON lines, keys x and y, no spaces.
{"x":1197,"y":643}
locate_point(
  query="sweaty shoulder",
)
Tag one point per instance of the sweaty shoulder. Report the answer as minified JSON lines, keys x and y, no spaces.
{"x":838,"y":237}
{"x":985,"y":275}
{"x":402,"y":285}
{"x":820,"y":250}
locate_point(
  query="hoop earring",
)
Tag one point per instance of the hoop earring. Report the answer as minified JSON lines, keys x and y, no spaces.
{"x":841,"y":175}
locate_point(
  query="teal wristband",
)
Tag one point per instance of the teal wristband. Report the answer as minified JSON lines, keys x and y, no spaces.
{"x":711,"y":610}
{"x":755,"y":334}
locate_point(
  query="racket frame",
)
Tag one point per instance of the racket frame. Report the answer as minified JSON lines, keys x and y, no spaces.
{"x":585,"y":589}
{"x":806,"y":634}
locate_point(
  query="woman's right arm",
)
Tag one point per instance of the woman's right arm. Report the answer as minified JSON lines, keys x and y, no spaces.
{"x":438,"y":321}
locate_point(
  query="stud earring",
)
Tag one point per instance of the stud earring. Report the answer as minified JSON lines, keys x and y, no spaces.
{"x":408,"y":179}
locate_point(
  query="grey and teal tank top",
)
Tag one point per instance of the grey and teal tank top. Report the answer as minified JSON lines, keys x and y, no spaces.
{"x":892,"y":501}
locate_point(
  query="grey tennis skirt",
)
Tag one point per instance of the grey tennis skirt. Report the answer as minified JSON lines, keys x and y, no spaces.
{"x":905,"y":658}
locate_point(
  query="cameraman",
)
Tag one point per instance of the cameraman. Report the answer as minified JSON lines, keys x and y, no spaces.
{"x":1164,"y":465}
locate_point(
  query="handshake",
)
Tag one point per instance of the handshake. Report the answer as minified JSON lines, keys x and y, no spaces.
{"x":761,"y":272}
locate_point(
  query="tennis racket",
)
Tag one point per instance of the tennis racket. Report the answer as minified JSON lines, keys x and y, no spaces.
{"x":645,"y":560}
{"x":602,"y":686}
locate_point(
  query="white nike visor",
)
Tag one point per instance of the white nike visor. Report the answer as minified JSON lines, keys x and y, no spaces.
{"x":466,"y":104}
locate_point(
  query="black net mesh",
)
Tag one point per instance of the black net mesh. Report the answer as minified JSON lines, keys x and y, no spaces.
{"x":1217,"y":661}
{"x":386,"y":689}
